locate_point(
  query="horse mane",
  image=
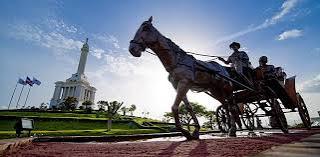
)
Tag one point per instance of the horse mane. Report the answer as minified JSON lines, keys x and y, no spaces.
{"x":174,"y":46}
{"x":170,"y":43}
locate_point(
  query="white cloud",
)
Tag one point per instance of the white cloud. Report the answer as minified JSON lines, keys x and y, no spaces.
{"x":61,"y":26}
{"x":108,"y":39}
{"x":58,"y":41}
{"x":294,"y":33}
{"x":50,"y":39}
{"x":98,"y":52}
{"x":114,"y":41}
{"x":286,"y":8}
{"x":311,"y":86}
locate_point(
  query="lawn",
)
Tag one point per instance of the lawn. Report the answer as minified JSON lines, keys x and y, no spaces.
{"x":73,"y":124}
{"x":48,"y":114}
{"x":68,"y":124}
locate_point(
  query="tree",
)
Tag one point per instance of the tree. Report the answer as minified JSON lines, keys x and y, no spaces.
{"x":33,"y":108}
{"x":124,"y":110}
{"x":101,"y":107}
{"x":132,"y":108}
{"x":87,"y":106}
{"x":185,"y":116}
{"x":112,"y":109}
{"x":211,"y":117}
{"x":69,"y":103}
{"x":81,"y":107}
{"x":43,"y":106}
{"x":168,"y":116}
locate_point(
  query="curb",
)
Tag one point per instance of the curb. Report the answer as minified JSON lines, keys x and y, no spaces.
{"x":14,"y":145}
{"x":110,"y":138}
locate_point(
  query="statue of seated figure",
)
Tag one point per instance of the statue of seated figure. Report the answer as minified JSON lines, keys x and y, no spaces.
{"x":265,"y":71}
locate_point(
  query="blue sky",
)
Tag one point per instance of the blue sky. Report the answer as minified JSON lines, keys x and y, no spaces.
{"x":43,"y":39}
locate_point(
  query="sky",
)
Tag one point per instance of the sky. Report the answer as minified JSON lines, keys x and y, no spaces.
{"x":42,"y":39}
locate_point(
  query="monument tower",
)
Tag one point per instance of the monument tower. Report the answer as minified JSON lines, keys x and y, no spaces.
{"x":77,"y":85}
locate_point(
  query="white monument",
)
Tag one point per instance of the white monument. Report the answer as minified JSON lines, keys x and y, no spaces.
{"x":77,"y":86}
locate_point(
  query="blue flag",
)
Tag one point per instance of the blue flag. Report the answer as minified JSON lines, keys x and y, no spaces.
{"x":21,"y":81}
{"x":36,"y":81}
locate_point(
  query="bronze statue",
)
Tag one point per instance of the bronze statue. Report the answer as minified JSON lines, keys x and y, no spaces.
{"x":240,"y":63}
{"x":186,"y":73}
{"x":266,"y":71}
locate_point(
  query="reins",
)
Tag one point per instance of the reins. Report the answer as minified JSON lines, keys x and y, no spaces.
{"x":150,"y":52}
{"x":225,"y":77}
{"x":198,"y":54}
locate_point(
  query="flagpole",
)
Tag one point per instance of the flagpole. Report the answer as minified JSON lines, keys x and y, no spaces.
{"x":26,"y":98}
{"x":19,"y":97}
{"x":12,"y":95}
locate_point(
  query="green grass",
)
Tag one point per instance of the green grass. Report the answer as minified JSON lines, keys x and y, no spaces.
{"x":48,"y":114}
{"x":57,"y":124}
{"x":141,"y":120}
{"x":73,"y":124}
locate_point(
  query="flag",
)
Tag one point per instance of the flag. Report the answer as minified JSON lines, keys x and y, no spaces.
{"x":29,"y":81}
{"x":36,"y":81}
{"x":21,"y":81}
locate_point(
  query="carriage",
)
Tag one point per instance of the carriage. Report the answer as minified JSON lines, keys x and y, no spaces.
{"x":272,"y":97}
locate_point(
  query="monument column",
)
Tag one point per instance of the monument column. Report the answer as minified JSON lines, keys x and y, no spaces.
{"x":56,"y":93}
{"x":83,"y":58}
{"x":63,"y":92}
{"x":67,"y":92}
{"x":93,"y":96}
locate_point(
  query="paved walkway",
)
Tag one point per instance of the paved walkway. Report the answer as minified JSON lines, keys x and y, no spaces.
{"x":307,"y":147}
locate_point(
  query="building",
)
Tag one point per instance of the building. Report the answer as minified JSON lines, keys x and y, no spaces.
{"x":77,"y":85}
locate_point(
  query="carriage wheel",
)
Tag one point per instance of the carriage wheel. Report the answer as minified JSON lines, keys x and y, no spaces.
{"x":278,"y":113}
{"x":303,"y":112}
{"x":223,"y":119}
{"x":248,"y":118}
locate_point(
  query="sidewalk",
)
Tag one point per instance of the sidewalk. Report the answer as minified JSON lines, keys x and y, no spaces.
{"x":307,"y":147}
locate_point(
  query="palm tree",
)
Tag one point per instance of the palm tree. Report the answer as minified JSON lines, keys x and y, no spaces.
{"x":101,"y":107}
{"x":112,"y":109}
{"x":132,"y":108}
{"x":124,"y":110}
{"x":211,"y":117}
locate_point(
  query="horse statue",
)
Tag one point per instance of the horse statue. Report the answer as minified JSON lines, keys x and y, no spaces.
{"x":186,"y":73}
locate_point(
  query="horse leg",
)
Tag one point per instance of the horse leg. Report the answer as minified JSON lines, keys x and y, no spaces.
{"x":232,"y":114}
{"x":227,"y":93}
{"x":194,"y":118}
{"x":182,"y":89}
{"x":237,"y":117}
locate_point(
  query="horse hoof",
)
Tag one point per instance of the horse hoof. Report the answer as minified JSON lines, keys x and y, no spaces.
{"x":195,"y":135}
{"x":187,"y":134}
{"x":232,"y":134}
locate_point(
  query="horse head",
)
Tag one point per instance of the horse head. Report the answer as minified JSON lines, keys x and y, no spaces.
{"x":145,"y":35}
